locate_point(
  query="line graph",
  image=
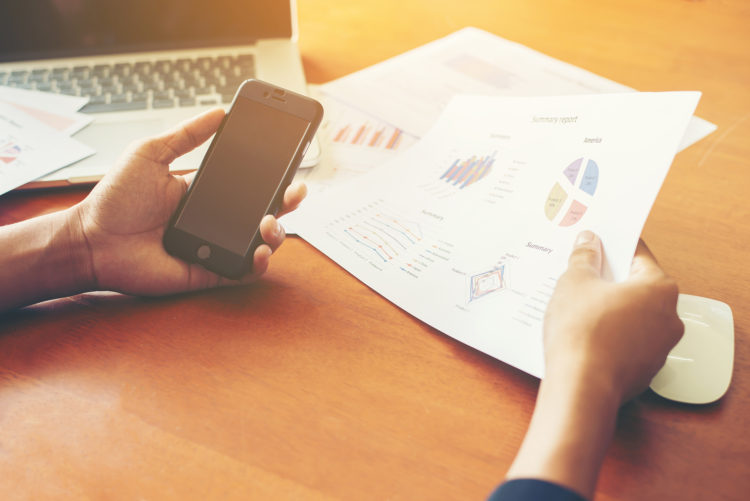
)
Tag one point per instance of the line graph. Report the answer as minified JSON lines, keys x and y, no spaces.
{"x":390,"y":239}
{"x":385,"y":236}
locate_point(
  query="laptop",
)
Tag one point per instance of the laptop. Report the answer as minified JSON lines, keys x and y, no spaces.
{"x":146,"y":64}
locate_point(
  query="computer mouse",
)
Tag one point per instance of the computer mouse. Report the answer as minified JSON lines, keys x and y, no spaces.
{"x":699,"y":368}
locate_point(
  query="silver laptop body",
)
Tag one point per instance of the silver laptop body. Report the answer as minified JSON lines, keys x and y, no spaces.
{"x":146,"y":64}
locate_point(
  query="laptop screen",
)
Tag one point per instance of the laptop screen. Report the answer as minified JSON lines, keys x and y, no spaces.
{"x":35,"y":29}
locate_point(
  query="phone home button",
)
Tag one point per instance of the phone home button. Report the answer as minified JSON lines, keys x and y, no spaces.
{"x":203,"y":252}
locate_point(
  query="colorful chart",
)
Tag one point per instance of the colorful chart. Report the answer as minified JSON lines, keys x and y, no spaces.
{"x":463,"y":173}
{"x":384,"y":235}
{"x":567,"y":200}
{"x":486,"y":283}
{"x":9,"y":152}
{"x":365,"y":134}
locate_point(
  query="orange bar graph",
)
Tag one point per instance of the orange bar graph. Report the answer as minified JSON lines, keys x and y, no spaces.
{"x":394,"y":140}
{"x":359,"y":135}
{"x":341,"y":134}
{"x":368,"y":135}
{"x":377,"y":138}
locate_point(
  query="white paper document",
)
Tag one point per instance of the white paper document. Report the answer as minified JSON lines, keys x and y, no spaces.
{"x":470,"y":228}
{"x":57,"y":111}
{"x":30,"y":149}
{"x":410,"y":90}
{"x":46,"y":100}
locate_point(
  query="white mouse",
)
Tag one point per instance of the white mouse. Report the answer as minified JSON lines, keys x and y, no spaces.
{"x":699,"y":368}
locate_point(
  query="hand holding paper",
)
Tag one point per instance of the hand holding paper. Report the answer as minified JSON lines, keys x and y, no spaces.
{"x":470,"y":228}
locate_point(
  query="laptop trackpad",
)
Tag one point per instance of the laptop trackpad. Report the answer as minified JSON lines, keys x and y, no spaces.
{"x":110,"y":140}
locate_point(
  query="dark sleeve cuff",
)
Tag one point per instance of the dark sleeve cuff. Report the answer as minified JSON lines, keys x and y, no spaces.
{"x":522,"y":489}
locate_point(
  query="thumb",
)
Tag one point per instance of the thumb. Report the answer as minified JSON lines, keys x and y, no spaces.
{"x":186,"y":136}
{"x":644,"y":263}
{"x":587,"y":253}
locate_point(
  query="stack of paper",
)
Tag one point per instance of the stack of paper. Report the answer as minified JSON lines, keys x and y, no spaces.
{"x":35,"y":130}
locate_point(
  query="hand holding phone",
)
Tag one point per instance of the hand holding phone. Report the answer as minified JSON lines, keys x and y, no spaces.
{"x":249,"y":164}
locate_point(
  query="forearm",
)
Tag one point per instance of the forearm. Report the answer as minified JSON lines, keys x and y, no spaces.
{"x":43,"y":258}
{"x":603,"y":343}
{"x":569,"y":433}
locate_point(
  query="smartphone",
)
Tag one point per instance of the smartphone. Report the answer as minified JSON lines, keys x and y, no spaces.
{"x":250,"y":162}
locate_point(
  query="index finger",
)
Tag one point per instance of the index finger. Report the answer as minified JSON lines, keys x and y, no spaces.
{"x":644,"y":263}
{"x":293,"y":196}
{"x":183,"y":138}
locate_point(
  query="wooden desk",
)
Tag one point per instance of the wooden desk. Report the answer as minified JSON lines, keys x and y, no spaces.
{"x":310,"y":386}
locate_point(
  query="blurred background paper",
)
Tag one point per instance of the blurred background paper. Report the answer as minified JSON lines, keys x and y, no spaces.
{"x":410,"y":90}
{"x":59,"y":103}
{"x":58,"y":112}
{"x":30,"y":149}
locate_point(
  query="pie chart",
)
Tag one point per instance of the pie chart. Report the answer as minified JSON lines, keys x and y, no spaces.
{"x":570,"y":196}
{"x":9,"y":152}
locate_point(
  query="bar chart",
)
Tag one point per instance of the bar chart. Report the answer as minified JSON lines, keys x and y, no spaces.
{"x":462,"y":173}
{"x":368,"y":135}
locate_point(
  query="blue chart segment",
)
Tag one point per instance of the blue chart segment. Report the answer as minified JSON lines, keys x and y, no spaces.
{"x":385,"y":236}
{"x":590,"y":178}
{"x":463,"y":173}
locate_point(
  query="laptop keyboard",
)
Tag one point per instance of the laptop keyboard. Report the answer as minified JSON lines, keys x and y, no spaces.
{"x":142,"y":85}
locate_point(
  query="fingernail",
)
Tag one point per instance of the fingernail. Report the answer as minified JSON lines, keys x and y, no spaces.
{"x":279,"y":229}
{"x":585,"y":237}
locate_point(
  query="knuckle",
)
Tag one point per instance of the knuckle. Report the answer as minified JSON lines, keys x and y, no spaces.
{"x":586,"y":253}
{"x":583,"y":256}
{"x":140,"y":145}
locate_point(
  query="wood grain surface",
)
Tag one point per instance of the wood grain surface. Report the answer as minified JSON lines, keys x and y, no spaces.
{"x":308,"y":385}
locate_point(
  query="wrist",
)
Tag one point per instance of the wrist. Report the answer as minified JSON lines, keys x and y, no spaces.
{"x":78,"y":250}
{"x":570,"y":430}
{"x":582,"y":376}
{"x":579,"y":381}
{"x":44,"y":258}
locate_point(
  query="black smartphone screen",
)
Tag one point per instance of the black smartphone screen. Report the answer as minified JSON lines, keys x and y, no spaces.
{"x":237,"y":181}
